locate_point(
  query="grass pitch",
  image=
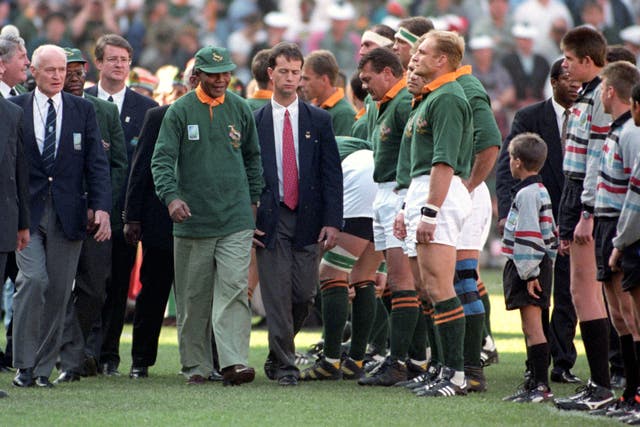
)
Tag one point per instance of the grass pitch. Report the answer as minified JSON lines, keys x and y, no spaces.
{"x":164,"y":399}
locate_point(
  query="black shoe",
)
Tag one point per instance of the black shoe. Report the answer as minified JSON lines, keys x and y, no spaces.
{"x":215,"y":375}
{"x":43,"y":382}
{"x":3,"y":394}
{"x":588,"y":397}
{"x":288,"y":381}
{"x":390,"y":372}
{"x":5,"y":368}
{"x":24,"y":378}
{"x":564,"y":376}
{"x":89,"y":367}
{"x":444,"y":386}
{"x":109,"y":369}
{"x":67,"y":377}
{"x":321,"y":370}
{"x":270,"y":368}
{"x":139,"y":372}
{"x":476,"y":381}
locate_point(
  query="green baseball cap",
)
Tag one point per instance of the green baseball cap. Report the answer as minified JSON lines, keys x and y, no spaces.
{"x":212,"y":59}
{"x":74,"y":55}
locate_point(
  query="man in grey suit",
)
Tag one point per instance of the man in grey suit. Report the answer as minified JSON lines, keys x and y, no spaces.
{"x":68,"y":175}
{"x":14,"y":182}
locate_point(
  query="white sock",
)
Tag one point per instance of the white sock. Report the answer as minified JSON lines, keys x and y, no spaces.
{"x":458,"y":378}
{"x":332,"y":361}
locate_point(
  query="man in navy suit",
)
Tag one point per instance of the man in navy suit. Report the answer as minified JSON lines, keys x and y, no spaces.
{"x":113,"y":59}
{"x":14,"y":182}
{"x":300,"y":210}
{"x":546,"y":118}
{"x":68,"y":176}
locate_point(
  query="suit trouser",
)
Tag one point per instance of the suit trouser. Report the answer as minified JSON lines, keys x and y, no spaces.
{"x":3,"y":262}
{"x":88,"y":295}
{"x":107,"y":336}
{"x":288,"y":282}
{"x":47,"y":268}
{"x":562,"y":327}
{"x":211,"y":276}
{"x":156,"y":276}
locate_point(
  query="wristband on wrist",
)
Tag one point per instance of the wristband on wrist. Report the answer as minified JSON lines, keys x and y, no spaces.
{"x":428,"y":220}
{"x":430,"y":210}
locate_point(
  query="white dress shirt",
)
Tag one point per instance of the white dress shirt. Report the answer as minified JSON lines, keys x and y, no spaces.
{"x":559,"y":109}
{"x":40,"y":110}
{"x":118,"y":97}
{"x":278,"y":127}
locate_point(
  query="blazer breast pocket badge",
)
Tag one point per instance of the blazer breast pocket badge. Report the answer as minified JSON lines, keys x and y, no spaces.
{"x":193,"y":132}
{"x":77,"y":141}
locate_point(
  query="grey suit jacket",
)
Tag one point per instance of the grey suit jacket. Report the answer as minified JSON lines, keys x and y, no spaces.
{"x":14,"y":176}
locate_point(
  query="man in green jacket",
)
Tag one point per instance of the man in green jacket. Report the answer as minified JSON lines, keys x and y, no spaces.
{"x":94,"y":265}
{"x":207,"y":169}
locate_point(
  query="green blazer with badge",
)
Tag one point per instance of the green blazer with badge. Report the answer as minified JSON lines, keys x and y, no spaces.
{"x":114,"y":145}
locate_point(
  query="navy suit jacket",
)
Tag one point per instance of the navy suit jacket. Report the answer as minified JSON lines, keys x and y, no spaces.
{"x":319,"y":176}
{"x":80,"y":176}
{"x":541,"y":119}
{"x":14,"y":177}
{"x":134,"y":108}
{"x":142,"y":204}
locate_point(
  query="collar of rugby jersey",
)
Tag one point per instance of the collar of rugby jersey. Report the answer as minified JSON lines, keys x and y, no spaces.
{"x":391,"y":93}
{"x":262,"y":94}
{"x":416,"y":101}
{"x":206,"y":99}
{"x":440,"y":81}
{"x":361,"y":112}
{"x":331,"y":101}
{"x":463,"y":71}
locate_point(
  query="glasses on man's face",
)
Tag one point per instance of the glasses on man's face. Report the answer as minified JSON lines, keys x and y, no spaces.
{"x":76,"y":74}
{"x":114,"y":60}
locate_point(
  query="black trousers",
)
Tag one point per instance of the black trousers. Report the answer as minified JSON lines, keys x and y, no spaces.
{"x":156,"y":276}
{"x":113,"y":311}
{"x":562,"y":327}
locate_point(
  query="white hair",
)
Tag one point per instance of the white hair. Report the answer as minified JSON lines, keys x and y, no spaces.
{"x":42,"y":50}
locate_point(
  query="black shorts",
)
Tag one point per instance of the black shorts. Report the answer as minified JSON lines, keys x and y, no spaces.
{"x":361,"y":227}
{"x":570,"y":208}
{"x":604,"y":230}
{"x":515,"y":289}
{"x":631,"y":266}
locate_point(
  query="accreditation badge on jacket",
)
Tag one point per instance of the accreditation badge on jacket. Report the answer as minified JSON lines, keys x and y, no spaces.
{"x":77,"y":141}
{"x":193,"y":132}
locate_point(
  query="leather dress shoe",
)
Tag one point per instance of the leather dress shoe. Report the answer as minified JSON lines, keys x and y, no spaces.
{"x":24,"y":378}
{"x":288,"y":380}
{"x":5,"y":368}
{"x":564,"y":376}
{"x":270,"y":368}
{"x":139,"y":372}
{"x":109,"y":369}
{"x":89,"y":367}
{"x":237,"y":374}
{"x":43,"y":382}
{"x":196,"y":380}
{"x":67,"y":377}
{"x":215,"y":375}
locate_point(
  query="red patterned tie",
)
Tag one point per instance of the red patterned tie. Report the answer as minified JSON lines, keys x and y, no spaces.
{"x":289,"y":168}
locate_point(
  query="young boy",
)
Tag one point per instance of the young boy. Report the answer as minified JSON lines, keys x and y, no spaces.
{"x":530,"y":245}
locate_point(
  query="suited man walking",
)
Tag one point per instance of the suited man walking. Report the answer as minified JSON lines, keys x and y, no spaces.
{"x":113,"y":59}
{"x":547,"y":118}
{"x":14,"y":182}
{"x":94,"y":268}
{"x":300,"y":210}
{"x":68,"y":174}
